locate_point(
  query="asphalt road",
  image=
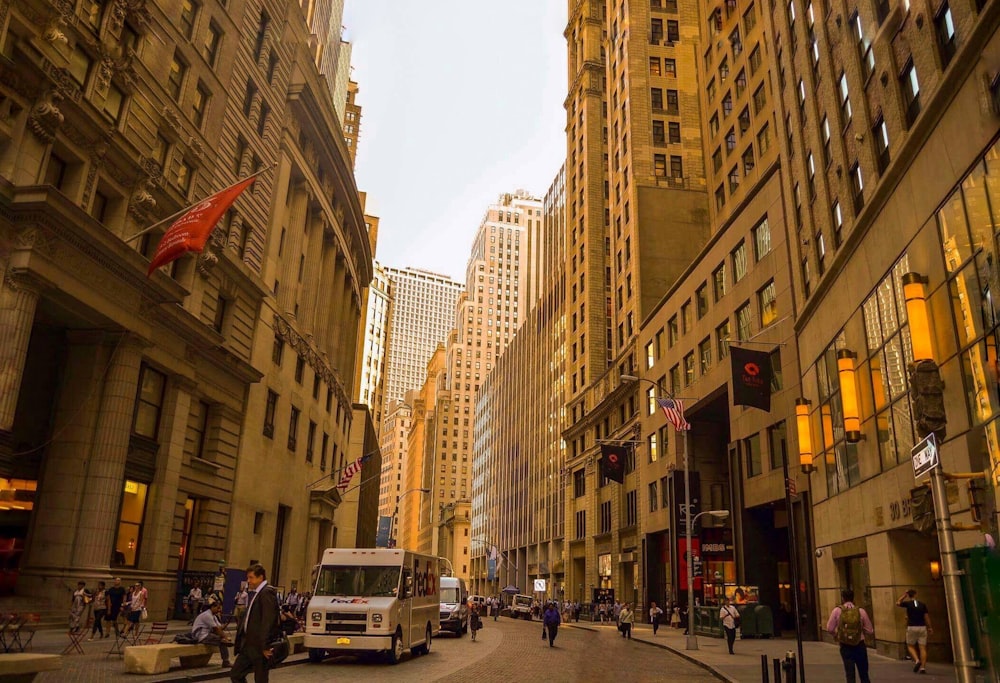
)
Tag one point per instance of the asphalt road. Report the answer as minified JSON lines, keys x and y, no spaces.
{"x":509,"y":650}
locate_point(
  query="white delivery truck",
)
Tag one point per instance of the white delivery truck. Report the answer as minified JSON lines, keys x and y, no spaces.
{"x":373,"y":600}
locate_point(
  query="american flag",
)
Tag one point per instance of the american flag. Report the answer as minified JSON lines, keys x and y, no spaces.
{"x":674,"y":410}
{"x":349,"y":472}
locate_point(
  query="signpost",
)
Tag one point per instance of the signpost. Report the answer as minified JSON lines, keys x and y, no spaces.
{"x":925,"y":456}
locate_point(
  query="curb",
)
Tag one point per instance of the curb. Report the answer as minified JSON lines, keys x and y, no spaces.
{"x":224,"y":673}
{"x":683,"y":655}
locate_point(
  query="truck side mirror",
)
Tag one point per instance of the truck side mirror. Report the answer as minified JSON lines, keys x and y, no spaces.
{"x":409,"y":587}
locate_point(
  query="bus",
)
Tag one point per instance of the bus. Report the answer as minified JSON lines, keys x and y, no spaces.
{"x":373,"y":600}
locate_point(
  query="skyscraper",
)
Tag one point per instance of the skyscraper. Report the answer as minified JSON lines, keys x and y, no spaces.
{"x":421,"y":317}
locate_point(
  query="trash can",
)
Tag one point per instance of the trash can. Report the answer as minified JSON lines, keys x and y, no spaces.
{"x":765,"y":620}
{"x":748,"y":621}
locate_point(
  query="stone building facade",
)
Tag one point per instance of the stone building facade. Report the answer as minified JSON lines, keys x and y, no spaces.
{"x":125,"y":398}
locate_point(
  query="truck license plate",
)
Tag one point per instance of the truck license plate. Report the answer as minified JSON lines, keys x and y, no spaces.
{"x":343,"y":641}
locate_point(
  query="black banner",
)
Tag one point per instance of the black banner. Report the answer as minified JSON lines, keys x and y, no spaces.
{"x":613,"y":462}
{"x":751,"y":378}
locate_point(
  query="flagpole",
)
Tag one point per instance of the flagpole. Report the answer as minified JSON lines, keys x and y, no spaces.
{"x":187,"y":208}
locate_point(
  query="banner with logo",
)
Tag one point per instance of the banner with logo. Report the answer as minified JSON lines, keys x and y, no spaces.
{"x":751,"y":378}
{"x":382,"y":532}
{"x":613,"y":462}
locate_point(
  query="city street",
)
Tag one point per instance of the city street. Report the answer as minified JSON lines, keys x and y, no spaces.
{"x":509,"y":650}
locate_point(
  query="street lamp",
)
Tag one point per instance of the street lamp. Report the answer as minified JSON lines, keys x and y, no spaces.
{"x":392,"y":521}
{"x":692,"y":640}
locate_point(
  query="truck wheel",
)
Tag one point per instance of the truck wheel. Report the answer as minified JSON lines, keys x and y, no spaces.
{"x":424,"y":649}
{"x":396,"y":653}
{"x":316,"y":655}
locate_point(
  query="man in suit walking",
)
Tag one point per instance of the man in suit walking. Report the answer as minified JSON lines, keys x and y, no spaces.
{"x":258,"y":628}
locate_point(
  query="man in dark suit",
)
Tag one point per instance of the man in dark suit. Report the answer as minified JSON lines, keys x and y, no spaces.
{"x":258,"y":628}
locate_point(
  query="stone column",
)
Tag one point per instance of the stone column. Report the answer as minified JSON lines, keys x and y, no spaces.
{"x":334,"y":303}
{"x":292,"y":251}
{"x":105,"y":471}
{"x":18,"y":300}
{"x":312,"y":277}
{"x":162,"y":501}
{"x":326,"y":273}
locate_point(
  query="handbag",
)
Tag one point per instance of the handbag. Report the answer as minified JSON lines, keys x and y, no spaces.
{"x":145,"y":614}
{"x":279,"y":650}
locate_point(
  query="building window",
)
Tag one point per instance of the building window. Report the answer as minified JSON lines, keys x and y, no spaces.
{"x":845,"y":101}
{"x":838,"y":224}
{"x":631,"y":508}
{"x":825,"y":128}
{"x":581,"y":524}
{"x":722,"y":334}
{"x":199,"y":429}
{"x":270,"y":409}
{"x":811,"y":170}
{"x":675,"y":379}
{"x":864,"y":45}
{"x":777,"y":442}
{"x":689,"y":372}
{"x":857,"y":188}
{"x":265,"y":111}
{"x":200,"y":103}
{"x":945,"y":29}
{"x":734,"y":180}
{"x":189,"y":12}
{"x":911,"y":91}
{"x":669,"y":67}
{"x":672,"y":102}
{"x":806,"y":278}
{"x":672,"y":332}
{"x":701,"y":300}
{"x":653,"y":445}
{"x":676,"y":168}
{"x":840,"y":457}
{"x":660,"y":165}
{"x":210,"y":48}
{"x":183,"y":178}
{"x":731,"y":140}
{"x":751,"y":455}
{"x":310,"y":440}
{"x":744,"y":322}
{"x":262,"y":25}
{"x":881,"y":136}
{"x":659,"y":136}
{"x":293,"y":428}
{"x":686,"y":320}
{"x":654,"y":496}
{"x":130,"y":521}
{"x":248,"y":97}
{"x":767,"y":302}
{"x":654,"y":66}
{"x":674,"y":132}
{"x":739,"y":259}
{"x":719,"y":283}
{"x":761,"y":239}
{"x":579,"y":483}
{"x":673,"y":31}
{"x":149,"y":402}
{"x":221,"y":308}
{"x":300,"y":366}
{"x":764,"y":139}
{"x":656,"y":98}
{"x":705,"y":355}
{"x":175,"y":78}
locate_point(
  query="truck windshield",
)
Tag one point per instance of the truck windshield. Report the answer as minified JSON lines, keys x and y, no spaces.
{"x":449,"y":595}
{"x":521,"y":600}
{"x":366,"y":582}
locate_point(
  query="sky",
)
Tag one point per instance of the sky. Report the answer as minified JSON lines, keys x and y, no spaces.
{"x":461,"y":101}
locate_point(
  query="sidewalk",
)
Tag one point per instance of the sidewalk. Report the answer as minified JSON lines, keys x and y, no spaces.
{"x":96,"y":666}
{"x":823,"y":663}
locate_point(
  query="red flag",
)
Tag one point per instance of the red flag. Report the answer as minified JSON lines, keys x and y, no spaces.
{"x":190,"y":232}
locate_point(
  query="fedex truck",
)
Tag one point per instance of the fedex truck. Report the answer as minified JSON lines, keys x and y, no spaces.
{"x":373,"y":600}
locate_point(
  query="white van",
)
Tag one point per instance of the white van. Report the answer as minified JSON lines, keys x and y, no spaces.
{"x":520,"y":606}
{"x":454,"y":610}
{"x":373,"y":600}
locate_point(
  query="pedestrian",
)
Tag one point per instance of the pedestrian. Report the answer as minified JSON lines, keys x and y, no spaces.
{"x":576,"y":611}
{"x":625,"y":618}
{"x":918,"y":625}
{"x":848,"y":625}
{"x":100,"y":609}
{"x":116,"y":598}
{"x":78,"y":607}
{"x":675,"y":617}
{"x":258,"y":629}
{"x":617,"y":612}
{"x":136,"y":607}
{"x":654,"y":616}
{"x":475,"y":621}
{"x":730,"y":617}
{"x":194,"y":600}
{"x":208,"y":630}
{"x":241,"y":603}
{"x":496,"y":608}
{"x":551,"y":620}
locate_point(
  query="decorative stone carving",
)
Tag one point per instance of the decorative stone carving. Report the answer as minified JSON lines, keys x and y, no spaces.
{"x":53,"y":32}
{"x":63,"y":81}
{"x":36,"y":238}
{"x":141,"y":202}
{"x":196,"y":151}
{"x":45,"y":118}
{"x":172,"y":119}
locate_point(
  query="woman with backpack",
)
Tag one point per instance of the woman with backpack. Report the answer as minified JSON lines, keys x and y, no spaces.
{"x":730,"y":617}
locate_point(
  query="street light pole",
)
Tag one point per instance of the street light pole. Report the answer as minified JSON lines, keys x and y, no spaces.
{"x":692,"y":638}
{"x":392,"y":521}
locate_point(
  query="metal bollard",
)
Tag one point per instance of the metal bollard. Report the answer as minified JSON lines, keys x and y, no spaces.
{"x":764,"y":673}
{"x":790,"y":668}
{"x":777,"y":670}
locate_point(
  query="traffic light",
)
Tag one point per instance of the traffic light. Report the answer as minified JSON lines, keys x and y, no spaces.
{"x":922,"y":509}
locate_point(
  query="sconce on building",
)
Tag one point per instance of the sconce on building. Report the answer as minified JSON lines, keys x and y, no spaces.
{"x":849,"y":395}
{"x":915,"y":294}
{"x":935,"y":570}
{"x":805,"y":436}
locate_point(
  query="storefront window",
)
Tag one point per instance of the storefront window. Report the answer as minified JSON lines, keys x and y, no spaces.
{"x":130,"y":524}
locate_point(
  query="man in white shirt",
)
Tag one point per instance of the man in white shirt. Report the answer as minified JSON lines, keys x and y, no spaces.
{"x":208,"y":631}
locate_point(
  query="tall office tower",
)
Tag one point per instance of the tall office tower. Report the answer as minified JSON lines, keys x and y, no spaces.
{"x":374,"y":336}
{"x":393,"y":440}
{"x":325,"y":19}
{"x":637,"y":217}
{"x":341,"y":80}
{"x":893,"y":191}
{"x":487,"y":316}
{"x":518,"y":453}
{"x":421,"y":317}
{"x":352,"y":122}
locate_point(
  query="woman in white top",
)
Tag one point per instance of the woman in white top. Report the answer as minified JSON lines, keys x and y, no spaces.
{"x":730,"y":620}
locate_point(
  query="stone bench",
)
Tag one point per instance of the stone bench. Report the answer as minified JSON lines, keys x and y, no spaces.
{"x":22,"y":667}
{"x":155,"y":659}
{"x":297,"y":642}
